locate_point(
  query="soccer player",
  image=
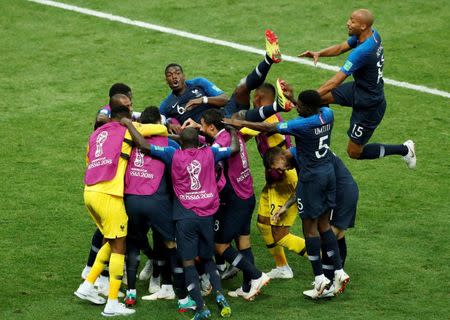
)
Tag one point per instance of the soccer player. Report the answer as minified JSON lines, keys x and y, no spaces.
{"x":237,"y":202}
{"x":104,"y":113}
{"x":342,"y":217}
{"x":189,"y":98}
{"x":108,"y":153}
{"x":148,"y":203}
{"x":365,"y":95}
{"x":277,"y":190}
{"x":196,"y":201}
{"x":316,"y":187}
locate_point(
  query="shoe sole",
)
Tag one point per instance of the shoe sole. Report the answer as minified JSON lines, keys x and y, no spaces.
{"x":252,"y":297}
{"x":287,"y":106}
{"x":272,"y":39}
{"x":343,"y":286}
{"x":147,"y":298}
{"x":225,"y":312}
{"x":109,"y":315}
{"x":83,"y":297}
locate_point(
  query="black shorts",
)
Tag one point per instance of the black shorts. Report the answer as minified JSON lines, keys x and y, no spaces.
{"x":195,"y":237}
{"x":364,"y":119}
{"x":344,"y":214}
{"x":145,"y":212}
{"x":316,"y":196}
{"x":234,"y":217}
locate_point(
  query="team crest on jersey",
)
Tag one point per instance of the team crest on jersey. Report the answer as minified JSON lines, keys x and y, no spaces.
{"x":101,"y":138}
{"x":194,"y":169}
{"x":197,"y":93}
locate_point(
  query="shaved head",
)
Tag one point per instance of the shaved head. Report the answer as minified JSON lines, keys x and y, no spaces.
{"x":364,"y":16}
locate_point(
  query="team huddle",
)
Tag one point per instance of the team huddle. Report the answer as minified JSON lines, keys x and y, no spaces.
{"x":182,"y":171}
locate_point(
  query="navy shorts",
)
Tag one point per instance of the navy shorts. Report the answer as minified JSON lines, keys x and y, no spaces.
{"x":195,"y":237}
{"x":234,"y":217}
{"x":233,"y":106}
{"x":145,"y":212}
{"x":364,"y":119}
{"x":344,"y":214}
{"x":317,"y":196}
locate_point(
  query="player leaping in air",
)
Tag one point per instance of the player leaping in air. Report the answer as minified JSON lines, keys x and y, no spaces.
{"x":365,"y":95}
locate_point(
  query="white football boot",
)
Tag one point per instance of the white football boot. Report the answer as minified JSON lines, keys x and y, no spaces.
{"x":284,"y":272}
{"x":113,"y":308}
{"x":166,"y":292}
{"x":86,"y":291}
{"x":410,"y":158}
{"x":154,"y":284}
{"x":257,"y":284}
{"x":146,"y":272}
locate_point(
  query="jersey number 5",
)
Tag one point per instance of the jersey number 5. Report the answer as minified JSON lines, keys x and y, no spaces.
{"x":322,"y":147}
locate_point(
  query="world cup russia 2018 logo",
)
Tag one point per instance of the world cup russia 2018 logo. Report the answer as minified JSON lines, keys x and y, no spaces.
{"x":194,"y":169}
{"x":139,"y":161}
{"x":101,"y":138}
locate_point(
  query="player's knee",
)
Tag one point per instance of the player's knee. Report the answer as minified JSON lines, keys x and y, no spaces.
{"x":221,"y":247}
{"x":170,"y":244}
{"x":244,"y":242}
{"x":354,"y":153}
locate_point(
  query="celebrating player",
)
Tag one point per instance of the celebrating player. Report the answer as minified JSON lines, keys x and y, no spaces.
{"x":108,"y":153}
{"x":366,"y":93}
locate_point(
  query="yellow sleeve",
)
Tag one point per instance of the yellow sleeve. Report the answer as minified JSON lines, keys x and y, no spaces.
{"x":249,"y":132}
{"x":151,"y":129}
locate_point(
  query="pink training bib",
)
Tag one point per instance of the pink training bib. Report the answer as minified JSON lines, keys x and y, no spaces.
{"x":194,"y":181}
{"x":105,"y":146}
{"x":144,"y":173}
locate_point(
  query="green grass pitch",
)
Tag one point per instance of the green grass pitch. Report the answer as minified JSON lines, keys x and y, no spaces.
{"x":56,"y":68}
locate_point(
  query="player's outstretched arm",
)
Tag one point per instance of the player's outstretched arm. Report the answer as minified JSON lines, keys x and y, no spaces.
{"x":217,"y":102}
{"x":258,"y":126}
{"x":138,"y":139}
{"x":327,"y":52}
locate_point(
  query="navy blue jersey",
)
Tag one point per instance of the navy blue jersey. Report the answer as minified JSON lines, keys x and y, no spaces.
{"x":174,"y":106}
{"x":365,"y":63}
{"x":312,"y":139}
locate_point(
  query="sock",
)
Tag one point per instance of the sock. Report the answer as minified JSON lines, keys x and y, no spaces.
{"x":179,"y":285}
{"x":193,"y":286}
{"x":258,"y":75}
{"x":262,"y":113}
{"x":239,"y":261}
{"x":214,"y":278}
{"x":327,"y":264}
{"x":248,"y":255}
{"x":220,"y":262}
{"x":132,"y":263}
{"x":293,"y":243}
{"x":377,"y":150}
{"x":331,"y":248}
{"x":274,"y":249}
{"x":116,"y":263}
{"x":313,"y":249}
{"x":342,"y":250}
{"x":103,"y":257}
{"x":96,"y":244}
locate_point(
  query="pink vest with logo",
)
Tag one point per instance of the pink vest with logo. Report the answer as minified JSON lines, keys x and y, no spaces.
{"x":238,"y":166}
{"x":105,"y":146}
{"x":194,"y":181}
{"x":144,"y":173}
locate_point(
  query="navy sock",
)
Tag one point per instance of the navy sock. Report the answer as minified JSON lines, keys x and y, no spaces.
{"x":179,"y":285}
{"x":239,"y":261}
{"x":331,"y":248}
{"x":214,"y":278}
{"x":166,"y":272}
{"x":258,"y":75}
{"x":248,"y":254}
{"x":327,"y":264}
{"x":377,"y":150}
{"x":193,"y":286}
{"x":260,"y":114}
{"x":132,"y":263}
{"x":342,"y":250}
{"x":313,"y":250}
{"x":96,"y":244}
{"x":219,"y":259}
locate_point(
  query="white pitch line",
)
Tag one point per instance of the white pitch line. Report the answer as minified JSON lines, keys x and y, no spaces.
{"x":229,"y":44}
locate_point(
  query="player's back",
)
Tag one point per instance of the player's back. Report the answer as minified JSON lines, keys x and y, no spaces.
{"x":365,"y":62}
{"x":312,"y":138}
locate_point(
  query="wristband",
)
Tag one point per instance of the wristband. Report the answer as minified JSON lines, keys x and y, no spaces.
{"x":205,"y":99}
